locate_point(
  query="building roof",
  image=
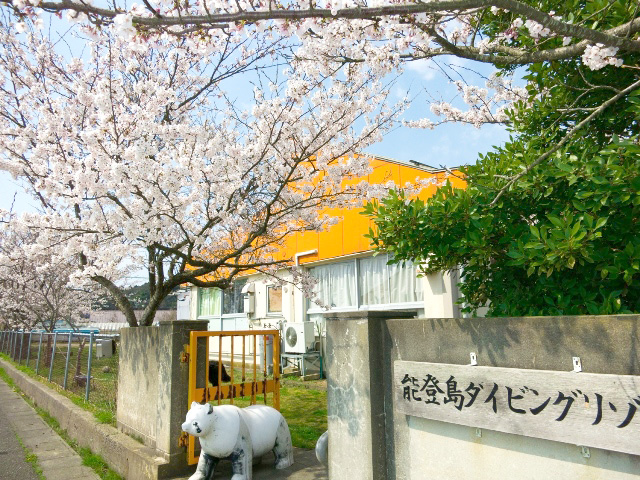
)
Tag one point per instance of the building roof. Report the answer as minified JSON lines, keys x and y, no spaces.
{"x":415,"y":164}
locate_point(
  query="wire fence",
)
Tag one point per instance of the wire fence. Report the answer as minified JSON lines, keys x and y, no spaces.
{"x":85,"y":364}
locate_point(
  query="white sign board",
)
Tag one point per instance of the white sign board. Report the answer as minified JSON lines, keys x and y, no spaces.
{"x":593,"y":410}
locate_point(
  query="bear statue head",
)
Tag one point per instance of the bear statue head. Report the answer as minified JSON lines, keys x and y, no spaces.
{"x":199,"y":419}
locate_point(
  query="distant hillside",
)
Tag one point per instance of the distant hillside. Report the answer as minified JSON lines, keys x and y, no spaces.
{"x":138,"y":295}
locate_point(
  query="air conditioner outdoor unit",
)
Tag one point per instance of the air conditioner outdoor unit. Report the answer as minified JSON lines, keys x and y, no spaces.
{"x":299,"y":337}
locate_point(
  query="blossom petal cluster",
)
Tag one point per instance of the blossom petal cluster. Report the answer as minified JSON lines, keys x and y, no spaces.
{"x":490,"y":104}
{"x":35,"y":283}
{"x":596,"y":57}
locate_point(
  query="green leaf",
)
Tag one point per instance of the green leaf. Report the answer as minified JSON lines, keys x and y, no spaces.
{"x":564,"y":167}
{"x":601,"y":222}
{"x":575,"y":229}
{"x":555,"y":220}
{"x":534,"y":231}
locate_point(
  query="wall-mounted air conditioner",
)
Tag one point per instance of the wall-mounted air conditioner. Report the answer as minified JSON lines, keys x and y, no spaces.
{"x":299,"y":337}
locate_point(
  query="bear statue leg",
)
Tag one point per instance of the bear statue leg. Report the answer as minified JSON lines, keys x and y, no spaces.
{"x":210,"y":465}
{"x":206,"y":467}
{"x":283,"y":449}
{"x":242,"y":460}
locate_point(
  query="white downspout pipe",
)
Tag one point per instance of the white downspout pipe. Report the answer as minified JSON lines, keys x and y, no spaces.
{"x":300,"y":311}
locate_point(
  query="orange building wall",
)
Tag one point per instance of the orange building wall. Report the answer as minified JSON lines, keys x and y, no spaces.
{"x":347,"y":236}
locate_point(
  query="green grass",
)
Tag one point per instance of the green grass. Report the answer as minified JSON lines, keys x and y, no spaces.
{"x":4,"y":376}
{"x":306,"y":414}
{"x":97,"y":464}
{"x":103,"y":406}
{"x":32,"y":459}
{"x":104,"y":385}
{"x":90,"y":459}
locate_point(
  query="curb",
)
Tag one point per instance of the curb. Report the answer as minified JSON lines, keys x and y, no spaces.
{"x":122,"y":453}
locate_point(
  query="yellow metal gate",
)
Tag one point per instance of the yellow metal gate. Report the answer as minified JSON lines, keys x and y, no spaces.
{"x":248,"y":376}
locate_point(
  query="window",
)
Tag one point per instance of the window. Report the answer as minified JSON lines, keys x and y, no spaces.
{"x":381,"y":284}
{"x":366,"y":282}
{"x":336,"y":286}
{"x":373,"y":280}
{"x":209,"y":302}
{"x":404,"y":285}
{"x":232,"y":301}
{"x":274,"y":299}
{"x":213,"y":302}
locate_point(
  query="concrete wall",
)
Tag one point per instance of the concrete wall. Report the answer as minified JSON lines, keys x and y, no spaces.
{"x":355,"y":393}
{"x":359,"y":379}
{"x":153,"y":386}
{"x":139,"y":353}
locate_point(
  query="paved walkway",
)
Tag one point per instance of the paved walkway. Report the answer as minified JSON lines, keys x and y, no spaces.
{"x":305,"y":467}
{"x":12,"y":463}
{"x":57,"y":459}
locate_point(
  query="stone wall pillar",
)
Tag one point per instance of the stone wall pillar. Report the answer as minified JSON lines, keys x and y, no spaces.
{"x":153,"y":387}
{"x":355,"y":394}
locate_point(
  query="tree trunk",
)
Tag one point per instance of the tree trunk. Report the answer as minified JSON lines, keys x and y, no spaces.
{"x":149,"y":313}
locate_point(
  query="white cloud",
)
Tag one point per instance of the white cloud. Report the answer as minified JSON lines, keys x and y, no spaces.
{"x":423,"y":68}
{"x":399,"y":92}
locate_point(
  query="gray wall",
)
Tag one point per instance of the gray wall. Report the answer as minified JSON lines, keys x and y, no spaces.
{"x":138,"y":383}
{"x":416,"y":448}
{"x":153,"y":387}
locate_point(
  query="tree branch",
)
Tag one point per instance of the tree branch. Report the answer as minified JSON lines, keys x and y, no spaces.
{"x":360,"y":13}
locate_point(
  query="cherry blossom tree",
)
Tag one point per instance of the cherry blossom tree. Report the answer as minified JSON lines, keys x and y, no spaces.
{"x":139,"y":157}
{"x":259,"y":165}
{"x":35,"y":288}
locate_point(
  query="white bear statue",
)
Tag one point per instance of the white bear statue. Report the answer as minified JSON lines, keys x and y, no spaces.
{"x":237,"y":434}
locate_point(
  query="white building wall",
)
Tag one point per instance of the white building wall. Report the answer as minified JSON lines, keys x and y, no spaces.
{"x":261,"y":317}
{"x":440,"y":295}
{"x":184,"y":305}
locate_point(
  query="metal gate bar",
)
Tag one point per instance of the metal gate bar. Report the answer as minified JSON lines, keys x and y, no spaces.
{"x":231,"y":390}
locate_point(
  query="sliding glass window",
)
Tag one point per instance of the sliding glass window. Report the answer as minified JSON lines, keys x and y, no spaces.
{"x":367,"y":282}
